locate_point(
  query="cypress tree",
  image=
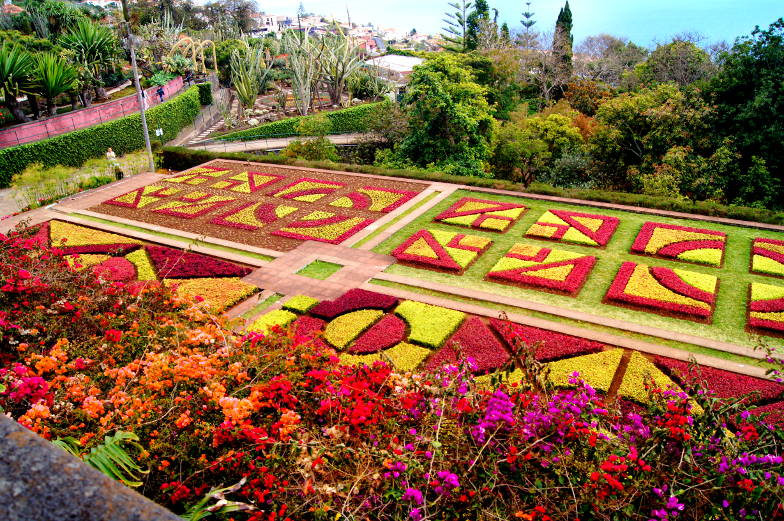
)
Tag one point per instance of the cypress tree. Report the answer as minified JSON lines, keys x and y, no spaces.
{"x":563,"y":39}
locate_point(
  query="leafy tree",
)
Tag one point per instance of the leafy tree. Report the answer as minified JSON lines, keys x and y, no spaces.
{"x":51,"y":18}
{"x":449,"y":118}
{"x":606,"y":58}
{"x":586,"y":95}
{"x":456,"y":26}
{"x":474,"y":26}
{"x":52,"y":76}
{"x":679,"y":61}
{"x":563,"y":39}
{"x":94,"y":49}
{"x":749,"y":96}
{"x":15,"y":70}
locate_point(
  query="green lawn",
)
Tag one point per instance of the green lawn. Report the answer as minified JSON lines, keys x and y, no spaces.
{"x":729,"y":318}
{"x":320,"y":270}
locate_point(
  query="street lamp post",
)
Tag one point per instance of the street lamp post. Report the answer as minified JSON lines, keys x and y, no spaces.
{"x":132,"y":46}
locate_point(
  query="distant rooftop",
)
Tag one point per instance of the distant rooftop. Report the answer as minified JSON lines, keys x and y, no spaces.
{"x":393,"y":62}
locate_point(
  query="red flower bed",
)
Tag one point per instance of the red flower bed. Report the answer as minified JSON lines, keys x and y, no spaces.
{"x":387,"y":332}
{"x":473,"y":340}
{"x":177,"y":264}
{"x":116,"y":269}
{"x":353,"y":300}
{"x":775,"y":412}
{"x":628,"y":288}
{"x":550,"y":345}
{"x":725,"y":384}
{"x":104,"y":249}
{"x":681,"y":243}
{"x":308,"y":327}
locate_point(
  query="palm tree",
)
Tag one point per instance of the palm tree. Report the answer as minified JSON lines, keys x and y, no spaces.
{"x":94,"y":47}
{"x":52,"y":76}
{"x":15,"y":68}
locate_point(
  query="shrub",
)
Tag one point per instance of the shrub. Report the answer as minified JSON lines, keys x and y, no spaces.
{"x":205,"y":93}
{"x":123,"y":135}
{"x":353,"y":119}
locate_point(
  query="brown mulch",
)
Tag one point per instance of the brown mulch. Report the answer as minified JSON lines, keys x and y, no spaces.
{"x":260,"y":238}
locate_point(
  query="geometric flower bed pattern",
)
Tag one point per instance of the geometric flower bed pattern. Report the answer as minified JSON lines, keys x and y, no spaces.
{"x":674,"y":292}
{"x":766,"y":307}
{"x":575,"y":227}
{"x":440,"y":250}
{"x":118,"y":258}
{"x":538,"y":267}
{"x":324,"y":227}
{"x":481,"y":214}
{"x":374,"y":199}
{"x":265,"y":206}
{"x":682,"y":243}
{"x":767,"y":257}
{"x":366,"y":327}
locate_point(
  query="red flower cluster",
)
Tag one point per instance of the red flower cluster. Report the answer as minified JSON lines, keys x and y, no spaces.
{"x":177,"y":264}
{"x":472,"y":341}
{"x":353,"y":300}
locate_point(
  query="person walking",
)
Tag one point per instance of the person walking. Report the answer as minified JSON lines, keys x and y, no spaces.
{"x":113,"y":164}
{"x":160,"y":92}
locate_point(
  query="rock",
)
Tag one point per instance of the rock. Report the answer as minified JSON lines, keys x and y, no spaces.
{"x":356,"y":101}
{"x":253,"y":122}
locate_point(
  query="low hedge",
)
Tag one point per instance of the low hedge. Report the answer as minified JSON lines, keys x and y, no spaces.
{"x":123,"y":135}
{"x":205,"y":93}
{"x":179,"y":158}
{"x":352,"y":119}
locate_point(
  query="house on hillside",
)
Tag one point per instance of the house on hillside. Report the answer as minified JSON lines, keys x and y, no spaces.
{"x":395,"y":68}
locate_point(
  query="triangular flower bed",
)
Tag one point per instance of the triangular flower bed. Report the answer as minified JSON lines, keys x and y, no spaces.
{"x":576,"y":227}
{"x":549,"y":345}
{"x":441,"y":251}
{"x":543,"y":268}
{"x":767,"y":257}
{"x":667,"y":291}
{"x":474,"y":341}
{"x":178,"y":264}
{"x":482,"y":214}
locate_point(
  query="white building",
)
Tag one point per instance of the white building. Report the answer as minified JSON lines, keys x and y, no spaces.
{"x":395,"y":68}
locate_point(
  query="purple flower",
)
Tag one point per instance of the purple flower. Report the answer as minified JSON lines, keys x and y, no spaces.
{"x":413,"y":495}
{"x":415,"y":514}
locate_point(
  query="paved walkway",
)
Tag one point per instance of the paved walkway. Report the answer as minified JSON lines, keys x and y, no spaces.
{"x":267,"y":144}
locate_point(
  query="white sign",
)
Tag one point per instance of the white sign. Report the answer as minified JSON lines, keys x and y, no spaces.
{"x":158,"y":131}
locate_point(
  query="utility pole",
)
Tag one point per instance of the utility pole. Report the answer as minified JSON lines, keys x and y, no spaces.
{"x":131,"y":45}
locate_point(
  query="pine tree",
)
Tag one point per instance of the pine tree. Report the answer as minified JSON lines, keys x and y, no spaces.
{"x":481,"y":12}
{"x":528,"y":36}
{"x":563,"y":39}
{"x":456,"y":25}
{"x":506,"y":36}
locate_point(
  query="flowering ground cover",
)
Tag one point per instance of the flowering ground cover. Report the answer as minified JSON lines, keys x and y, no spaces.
{"x":574,"y":227}
{"x":440,"y":250}
{"x":767,"y":257}
{"x":681,"y":243}
{"x":263,"y":205}
{"x":681,"y":293}
{"x":538,"y":267}
{"x":115,"y":257}
{"x":482,"y":214}
{"x":766,"y":307}
{"x":284,"y":431}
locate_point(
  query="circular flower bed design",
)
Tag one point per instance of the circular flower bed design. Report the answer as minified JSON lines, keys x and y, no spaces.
{"x":374,"y":199}
{"x":673,"y":292}
{"x":482,"y":214}
{"x":575,"y":227}
{"x":543,"y":268}
{"x":682,"y":243}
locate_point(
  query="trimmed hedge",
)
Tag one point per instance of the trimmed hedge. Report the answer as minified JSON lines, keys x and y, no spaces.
{"x":123,"y":135}
{"x":352,"y":119}
{"x":205,"y":93}
{"x":179,"y":158}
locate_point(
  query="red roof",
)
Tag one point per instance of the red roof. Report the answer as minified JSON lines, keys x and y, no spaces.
{"x":12,"y":9}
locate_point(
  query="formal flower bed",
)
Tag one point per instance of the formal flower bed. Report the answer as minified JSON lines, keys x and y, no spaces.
{"x":440,"y":250}
{"x":265,"y":206}
{"x":545,"y":268}
{"x":475,"y":344}
{"x":681,"y":243}
{"x":767,"y":257}
{"x":597,"y":369}
{"x":640,"y":374}
{"x":482,"y":214}
{"x":344,"y":329}
{"x":766,"y":307}
{"x":374,"y":199}
{"x":323,"y":227}
{"x":546,"y":345}
{"x":260,"y":427}
{"x":575,"y":227}
{"x":429,"y":325}
{"x":122,"y":259}
{"x":676,"y":292}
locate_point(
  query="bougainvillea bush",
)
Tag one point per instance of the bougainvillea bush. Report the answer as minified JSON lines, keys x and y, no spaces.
{"x":287,"y":433}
